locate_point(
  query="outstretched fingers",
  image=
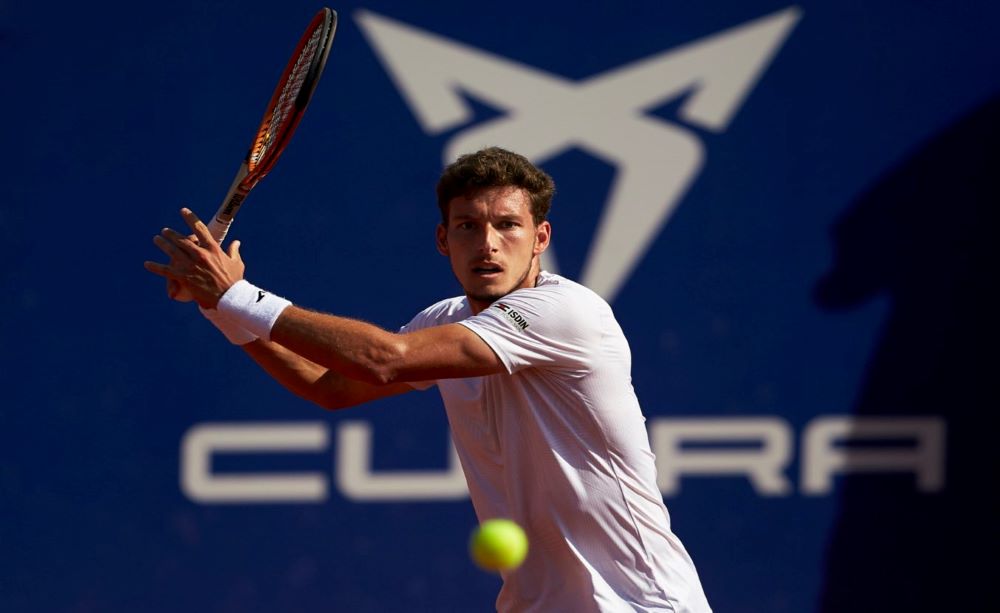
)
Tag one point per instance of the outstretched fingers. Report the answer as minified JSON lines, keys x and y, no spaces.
{"x":198,"y":227}
{"x":175,"y":244}
{"x":197,"y":263}
{"x":160,"y":269}
{"x":167,"y":245}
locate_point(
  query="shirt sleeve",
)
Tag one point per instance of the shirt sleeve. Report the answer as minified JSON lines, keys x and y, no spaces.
{"x":542,"y":327}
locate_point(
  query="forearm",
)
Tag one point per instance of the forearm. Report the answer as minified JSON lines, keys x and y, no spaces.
{"x":311,"y":381}
{"x":359,"y":351}
{"x":295,"y":373}
{"x":355,"y":349}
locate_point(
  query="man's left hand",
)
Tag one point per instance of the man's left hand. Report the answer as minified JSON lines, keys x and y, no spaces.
{"x":199,"y":264}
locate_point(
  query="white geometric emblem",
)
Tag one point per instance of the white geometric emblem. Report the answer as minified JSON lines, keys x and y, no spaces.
{"x":605,"y":115}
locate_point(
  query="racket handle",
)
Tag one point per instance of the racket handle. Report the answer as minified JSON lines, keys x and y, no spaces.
{"x":219,"y":226}
{"x":218,"y":229}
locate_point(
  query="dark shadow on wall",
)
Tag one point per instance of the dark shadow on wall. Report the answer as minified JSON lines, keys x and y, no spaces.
{"x":926,"y":236}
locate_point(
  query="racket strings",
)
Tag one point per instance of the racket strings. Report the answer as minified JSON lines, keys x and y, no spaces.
{"x":286,"y":101}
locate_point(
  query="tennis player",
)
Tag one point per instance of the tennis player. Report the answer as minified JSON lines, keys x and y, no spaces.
{"x":535,"y":375}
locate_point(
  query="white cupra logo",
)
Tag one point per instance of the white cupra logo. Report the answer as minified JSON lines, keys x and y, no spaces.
{"x":606,"y":115}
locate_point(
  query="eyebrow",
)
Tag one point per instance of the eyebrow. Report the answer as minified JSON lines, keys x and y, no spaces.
{"x":506,"y":217}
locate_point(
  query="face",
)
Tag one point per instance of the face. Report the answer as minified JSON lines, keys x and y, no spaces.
{"x":493,"y":243}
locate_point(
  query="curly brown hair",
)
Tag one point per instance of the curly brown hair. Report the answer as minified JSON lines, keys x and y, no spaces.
{"x":495,"y":167}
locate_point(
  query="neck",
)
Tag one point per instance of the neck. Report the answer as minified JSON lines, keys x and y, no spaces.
{"x":530,"y":280}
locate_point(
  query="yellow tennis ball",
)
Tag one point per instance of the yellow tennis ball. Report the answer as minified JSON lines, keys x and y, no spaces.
{"x":498,"y":544}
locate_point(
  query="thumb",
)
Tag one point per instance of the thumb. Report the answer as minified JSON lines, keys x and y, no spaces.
{"x":234,"y":250}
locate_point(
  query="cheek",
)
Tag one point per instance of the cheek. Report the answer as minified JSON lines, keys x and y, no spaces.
{"x":453,"y":242}
{"x":523,"y":242}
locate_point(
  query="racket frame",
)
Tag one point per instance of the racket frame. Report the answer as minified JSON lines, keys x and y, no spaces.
{"x":250,"y":174}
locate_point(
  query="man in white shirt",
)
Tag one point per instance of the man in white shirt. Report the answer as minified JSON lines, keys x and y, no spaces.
{"x":535,"y":376}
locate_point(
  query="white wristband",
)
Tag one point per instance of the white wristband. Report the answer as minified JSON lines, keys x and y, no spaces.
{"x":252,"y":308}
{"x":236,"y":334}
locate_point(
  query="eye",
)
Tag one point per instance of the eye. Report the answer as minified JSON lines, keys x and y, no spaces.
{"x":465,"y":225}
{"x":508,"y":224}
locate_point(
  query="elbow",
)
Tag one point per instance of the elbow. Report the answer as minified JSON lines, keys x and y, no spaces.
{"x":384,"y":366}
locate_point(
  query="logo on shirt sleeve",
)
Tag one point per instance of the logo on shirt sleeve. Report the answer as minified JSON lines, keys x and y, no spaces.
{"x":511,"y":315}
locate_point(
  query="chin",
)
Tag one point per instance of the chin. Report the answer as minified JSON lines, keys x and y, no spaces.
{"x":486,"y":294}
{"x":492,"y":291}
{"x":491,"y":298}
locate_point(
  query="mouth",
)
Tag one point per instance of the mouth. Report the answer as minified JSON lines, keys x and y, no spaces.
{"x":487,"y":270}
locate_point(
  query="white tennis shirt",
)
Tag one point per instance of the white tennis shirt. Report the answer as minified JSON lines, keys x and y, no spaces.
{"x":559,"y":445}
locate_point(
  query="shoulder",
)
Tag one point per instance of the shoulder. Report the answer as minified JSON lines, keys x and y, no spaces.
{"x":555,"y":324}
{"x":554,"y":293}
{"x":556,"y":307}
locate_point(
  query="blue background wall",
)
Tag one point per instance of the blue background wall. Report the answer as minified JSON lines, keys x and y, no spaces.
{"x":831,"y":257}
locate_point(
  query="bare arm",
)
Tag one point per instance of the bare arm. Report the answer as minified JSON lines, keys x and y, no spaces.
{"x":366,"y":353}
{"x":356,"y":350}
{"x":313,"y":382}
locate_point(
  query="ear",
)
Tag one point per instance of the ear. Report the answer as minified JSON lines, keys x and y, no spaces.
{"x":543,"y":235}
{"x":442,"y":239}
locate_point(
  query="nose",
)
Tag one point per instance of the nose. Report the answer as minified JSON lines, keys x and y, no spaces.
{"x":490,"y":240}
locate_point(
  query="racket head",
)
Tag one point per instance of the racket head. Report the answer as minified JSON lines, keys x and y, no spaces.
{"x":284,"y":111}
{"x":291,"y":96}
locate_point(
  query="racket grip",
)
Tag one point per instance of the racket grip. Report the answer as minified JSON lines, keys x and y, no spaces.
{"x":219,"y":229}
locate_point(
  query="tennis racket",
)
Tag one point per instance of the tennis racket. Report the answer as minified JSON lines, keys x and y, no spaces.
{"x":284,"y":112}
